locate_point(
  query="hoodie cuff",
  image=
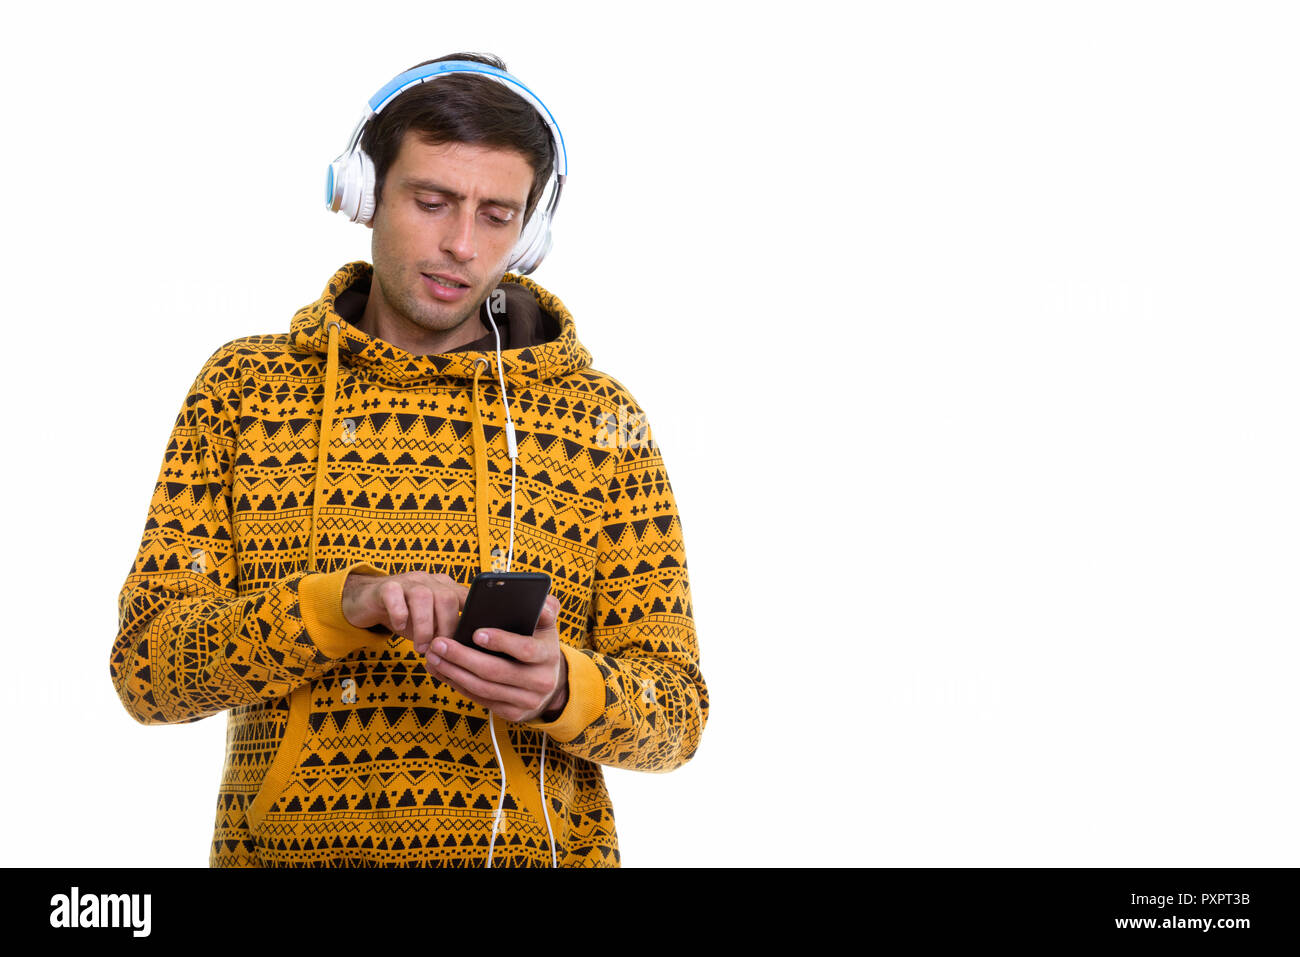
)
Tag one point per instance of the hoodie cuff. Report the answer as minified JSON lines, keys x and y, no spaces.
{"x":320,"y":601}
{"x":586,"y":698}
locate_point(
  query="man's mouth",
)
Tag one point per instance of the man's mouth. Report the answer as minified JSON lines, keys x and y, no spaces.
{"x":446,"y":282}
{"x":445,"y":288}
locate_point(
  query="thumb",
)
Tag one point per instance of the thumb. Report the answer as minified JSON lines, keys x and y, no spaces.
{"x":550,"y":613}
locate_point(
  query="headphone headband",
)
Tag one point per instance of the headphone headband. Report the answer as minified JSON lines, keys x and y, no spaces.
{"x":350,"y":182}
{"x":404,"y":81}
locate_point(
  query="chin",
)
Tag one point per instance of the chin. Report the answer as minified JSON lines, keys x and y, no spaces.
{"x":447,"y":316}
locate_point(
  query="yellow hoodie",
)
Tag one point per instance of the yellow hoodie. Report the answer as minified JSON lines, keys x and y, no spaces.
{"x":341,"y":748}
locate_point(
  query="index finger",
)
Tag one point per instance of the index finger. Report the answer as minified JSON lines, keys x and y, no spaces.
{"x":446,"y":581}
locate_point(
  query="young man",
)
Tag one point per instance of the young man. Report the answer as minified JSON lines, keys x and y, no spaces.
{"x":328,"y":494}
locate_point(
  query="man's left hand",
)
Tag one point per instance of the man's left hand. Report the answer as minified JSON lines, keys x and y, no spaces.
{"x":535,"y":684}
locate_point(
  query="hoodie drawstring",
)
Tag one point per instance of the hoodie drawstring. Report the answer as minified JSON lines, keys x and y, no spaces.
{"x":326,"y":429}
{"x":480,"y":476}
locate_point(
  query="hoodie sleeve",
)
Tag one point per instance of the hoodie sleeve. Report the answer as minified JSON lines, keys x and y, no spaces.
{"x":637,"y":697}
{"x":189,"y":642}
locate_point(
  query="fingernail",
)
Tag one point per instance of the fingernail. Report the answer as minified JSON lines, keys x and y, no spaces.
{"x":481,"y":637}
{"x":434,"y":659}
{"x":440,"y":646}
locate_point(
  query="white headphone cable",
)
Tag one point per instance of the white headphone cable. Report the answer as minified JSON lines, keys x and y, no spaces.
{"x":510,"y":554}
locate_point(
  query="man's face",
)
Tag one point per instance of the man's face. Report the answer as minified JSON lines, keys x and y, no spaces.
{"x":450,"y":216}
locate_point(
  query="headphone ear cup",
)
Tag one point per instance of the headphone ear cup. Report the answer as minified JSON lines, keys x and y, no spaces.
{"x":542,"y":250}
{"x":336,"y":184}
{"x":534,"y":243}
{"x":346,"y":189}
{"x":366,"y":199}
{"x":350,"y":186}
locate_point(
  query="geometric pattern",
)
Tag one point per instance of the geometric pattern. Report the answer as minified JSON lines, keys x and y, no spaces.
{"x":395,"y":768}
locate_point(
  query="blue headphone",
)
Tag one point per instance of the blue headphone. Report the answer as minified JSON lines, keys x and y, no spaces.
{"x":350,"y":181}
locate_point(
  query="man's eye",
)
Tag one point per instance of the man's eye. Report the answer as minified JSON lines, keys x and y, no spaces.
{"x":429,"y":206}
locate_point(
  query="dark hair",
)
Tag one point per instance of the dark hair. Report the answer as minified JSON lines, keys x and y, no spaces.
{"x":462,"y":108}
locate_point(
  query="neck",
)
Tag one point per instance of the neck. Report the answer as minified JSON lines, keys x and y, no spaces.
{"x":384,"y":323}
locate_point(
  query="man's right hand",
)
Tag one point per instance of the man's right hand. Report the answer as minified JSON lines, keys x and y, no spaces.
{"x":418,"y":605}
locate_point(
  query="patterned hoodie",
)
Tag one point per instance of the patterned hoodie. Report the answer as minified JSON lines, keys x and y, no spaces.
{"x":298,"y":459}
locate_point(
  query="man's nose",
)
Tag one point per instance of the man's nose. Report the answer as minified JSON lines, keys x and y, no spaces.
{"x":461,"y":240}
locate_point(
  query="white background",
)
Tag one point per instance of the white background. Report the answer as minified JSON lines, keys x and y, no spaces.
{"x":968,"y":331}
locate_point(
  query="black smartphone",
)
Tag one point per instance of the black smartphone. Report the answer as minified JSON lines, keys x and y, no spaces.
{"x":511,"y":601}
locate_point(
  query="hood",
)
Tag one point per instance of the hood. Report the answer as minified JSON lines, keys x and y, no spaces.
{"x":382,"y":361}
{"x":323,"y":329}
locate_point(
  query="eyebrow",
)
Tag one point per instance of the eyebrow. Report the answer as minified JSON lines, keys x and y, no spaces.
{"x":429,"y":186}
